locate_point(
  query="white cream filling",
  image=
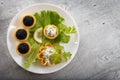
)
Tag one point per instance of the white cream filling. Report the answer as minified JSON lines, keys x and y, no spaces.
{"x":51,"y":31}
{"x":47,"y":53}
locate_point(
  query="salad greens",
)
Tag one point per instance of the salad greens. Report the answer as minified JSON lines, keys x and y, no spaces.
{"x":58,"y":56}
{"x":45,"y":18}
{"x":34,"y":50}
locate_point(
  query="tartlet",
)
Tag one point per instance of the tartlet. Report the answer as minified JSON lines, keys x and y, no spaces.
{"x":23,"y":48}
{"x":51,"y":31}
{"x":21,"y":34}
{"x":28,"y":21}
{"x":45,"y":57}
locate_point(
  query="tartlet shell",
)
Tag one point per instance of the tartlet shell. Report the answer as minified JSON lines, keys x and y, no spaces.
{"x":28,"y":27}
{"x":40,"y":55}
{"x":25,"y":53}
{"x":49,"y":36}
{"x":23,"y":40}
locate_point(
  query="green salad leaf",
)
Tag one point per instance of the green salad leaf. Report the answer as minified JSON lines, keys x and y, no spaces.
{"x":66,"y":55}
{"x":70,"y":30}
{"x":56,"y":58}
{"x":64,"y":38}
{"x":64,"y":31}
{"x":67,"y":29}
{"x":59,"y":55}
{"x":49,"y":17}
{"x":33,"y":54}
{"x":38,"y":24}
{"x":58,"y":47}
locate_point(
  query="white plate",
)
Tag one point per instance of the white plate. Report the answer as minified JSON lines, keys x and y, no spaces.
{"x":72,"y":46}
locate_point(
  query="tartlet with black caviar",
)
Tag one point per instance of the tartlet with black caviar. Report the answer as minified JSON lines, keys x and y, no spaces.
{"x":28,"y":21}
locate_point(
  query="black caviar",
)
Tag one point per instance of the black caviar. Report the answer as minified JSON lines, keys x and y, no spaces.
{"x":28,"y":21}
{"x":21,"y":34}
{"x":23,"y":48}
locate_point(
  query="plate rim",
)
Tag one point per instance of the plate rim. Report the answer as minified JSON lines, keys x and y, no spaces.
{"x":45,"y":4}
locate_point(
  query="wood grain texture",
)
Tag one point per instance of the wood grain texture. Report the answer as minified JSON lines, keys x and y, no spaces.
{"x":98,"y":57}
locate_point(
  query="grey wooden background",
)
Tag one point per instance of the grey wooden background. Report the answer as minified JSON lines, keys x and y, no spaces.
{"x":98,"y":57}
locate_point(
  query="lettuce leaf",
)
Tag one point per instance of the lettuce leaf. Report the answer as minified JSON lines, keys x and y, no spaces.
{"x":50,"y":17}
{"x":56,"y":58}
{"x":67,"y":29}
{"x":70,"y":30}
{"x":33,"y":54}
{"x":38,"y":23}
{"x":64,"y":38}
{"x":58,"y":47}
{"x":66,"y":55}
{"x":64,"y":31}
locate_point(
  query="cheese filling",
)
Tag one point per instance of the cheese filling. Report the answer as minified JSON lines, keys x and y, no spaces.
{"x":51,"y":31}
{"x":47,"y":53}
